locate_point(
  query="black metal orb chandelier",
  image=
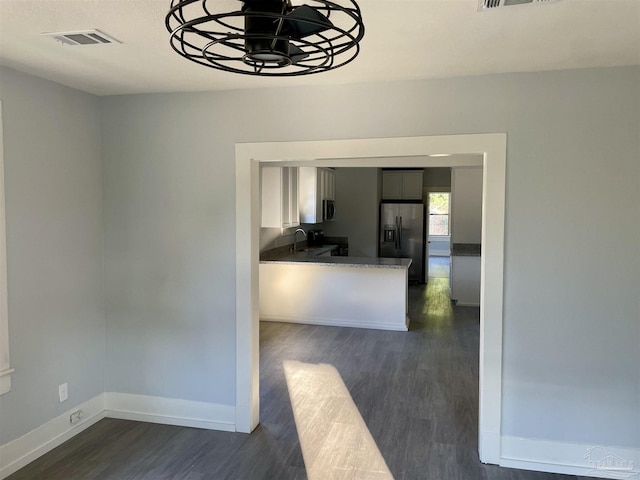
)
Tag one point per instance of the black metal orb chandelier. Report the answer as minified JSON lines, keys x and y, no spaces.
{"x":266,"y":37}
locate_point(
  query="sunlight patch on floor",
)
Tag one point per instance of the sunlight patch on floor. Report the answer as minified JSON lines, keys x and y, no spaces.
{"x":335,"y":441}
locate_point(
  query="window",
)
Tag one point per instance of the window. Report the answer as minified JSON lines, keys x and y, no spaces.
{"x":439,"y":213}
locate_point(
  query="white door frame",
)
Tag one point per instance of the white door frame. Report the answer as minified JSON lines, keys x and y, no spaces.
{"x":376,"y":152}
{"x":5,"y":369}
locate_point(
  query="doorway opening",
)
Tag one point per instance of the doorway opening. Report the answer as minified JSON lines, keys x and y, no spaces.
{"x":438,"y":234}
{"x":488,"y":150}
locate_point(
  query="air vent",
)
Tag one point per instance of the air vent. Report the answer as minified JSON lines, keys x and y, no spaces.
{"x":492,"y":4}
{"x":83,"y":37}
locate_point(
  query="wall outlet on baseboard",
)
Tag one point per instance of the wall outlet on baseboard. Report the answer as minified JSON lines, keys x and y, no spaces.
{"x":63,"y":392}
{"x":75,"y":417}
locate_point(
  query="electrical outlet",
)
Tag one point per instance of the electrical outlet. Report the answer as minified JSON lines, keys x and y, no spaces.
{"x":63,"y":392}
{"x":75,"y":417}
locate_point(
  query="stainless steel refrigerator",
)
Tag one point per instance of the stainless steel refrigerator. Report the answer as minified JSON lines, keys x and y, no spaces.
{"x":402,"y":234}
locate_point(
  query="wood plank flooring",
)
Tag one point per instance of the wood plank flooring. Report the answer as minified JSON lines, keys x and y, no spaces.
{"x":416,"y":391}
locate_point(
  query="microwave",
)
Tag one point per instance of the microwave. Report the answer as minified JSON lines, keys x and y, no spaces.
{"x":328,"y":210}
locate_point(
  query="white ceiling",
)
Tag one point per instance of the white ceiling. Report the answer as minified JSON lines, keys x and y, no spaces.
{"x":404,"y":39}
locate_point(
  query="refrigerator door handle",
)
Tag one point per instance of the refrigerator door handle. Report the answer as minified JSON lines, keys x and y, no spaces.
{"x":400,"y":234}
{"x":395,"y":237}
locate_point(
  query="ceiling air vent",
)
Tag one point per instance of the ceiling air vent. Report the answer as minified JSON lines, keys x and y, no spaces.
{"x":83,"y":37}
{"x":491,"y":4}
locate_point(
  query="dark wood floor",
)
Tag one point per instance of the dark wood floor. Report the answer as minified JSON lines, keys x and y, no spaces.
{"x":417,"y":393}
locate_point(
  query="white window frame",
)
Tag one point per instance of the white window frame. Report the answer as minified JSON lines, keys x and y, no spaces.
{"x":5,"y":369}
{"x":448,"y":214}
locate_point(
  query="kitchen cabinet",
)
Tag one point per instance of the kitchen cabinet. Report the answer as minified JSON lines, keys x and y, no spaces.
{"x":328,"y":183}
{"x":465,"y":280}
{"x":279,"y":196}
{"x":402,"y":184}
{"x":316,"y":184}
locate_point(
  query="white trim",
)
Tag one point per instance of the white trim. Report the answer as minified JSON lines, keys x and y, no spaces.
{"x":170,"y":411}
{"x":335,"y":322}
{"x":431,"y":237}
{"x":376,"y":152}
{"x":491,"y":292}
{"x":565,"y":458}
{"x":244,"y":415}
{"x":5,"y":380}
{"x":22,"y":451}
{"x":489,"y":446}
{"x":521,"y":453}
{"x":247,"y":299}
{"x":5,"y":377}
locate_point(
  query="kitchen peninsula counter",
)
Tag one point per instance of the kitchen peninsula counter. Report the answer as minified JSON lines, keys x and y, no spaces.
{"x":360,"y":292}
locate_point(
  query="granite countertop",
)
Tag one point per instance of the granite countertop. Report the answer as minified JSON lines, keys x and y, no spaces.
{"x":358,"y":262}
{"x":306,"y":254}
{"x":466,"y":250}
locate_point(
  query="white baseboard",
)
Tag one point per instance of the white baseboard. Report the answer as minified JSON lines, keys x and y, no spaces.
{"x":5,"y":380}
{"x":170,"y":411}
{"x":244,"y":421}
{"x":489,"y":447}
{"x":21,"y":451}
{"x":336,"y":322}
{"x":570,"y":459}
{"x":521,"y":453}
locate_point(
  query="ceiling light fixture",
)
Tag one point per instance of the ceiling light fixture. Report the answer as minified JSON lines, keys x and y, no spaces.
{"x":267,"y":37}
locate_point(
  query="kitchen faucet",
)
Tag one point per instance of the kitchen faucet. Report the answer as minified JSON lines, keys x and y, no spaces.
{"x":295,"y":245}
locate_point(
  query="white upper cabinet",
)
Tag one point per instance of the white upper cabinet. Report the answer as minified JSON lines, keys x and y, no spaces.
{"x":412,"y":185}
{"x":328,"y":183}
{"x":316,"y":184}
{"x":402,"y":184}
{"x":279,"y":195}
{"x":391,"y":185}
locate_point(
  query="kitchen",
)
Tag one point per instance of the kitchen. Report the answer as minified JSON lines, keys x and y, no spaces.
{"x":362,"y":297}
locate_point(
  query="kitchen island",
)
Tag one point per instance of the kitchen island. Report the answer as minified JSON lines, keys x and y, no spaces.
{"x":359,"y":292}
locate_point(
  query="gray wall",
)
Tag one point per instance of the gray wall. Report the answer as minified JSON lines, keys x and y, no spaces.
{"x":438,"y":178}
{"x":466,"y":205}
{"x":54,"y":249}
{"x":169,"y":242}
{"x":571,"y":357}
{"x":357,"y":210}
